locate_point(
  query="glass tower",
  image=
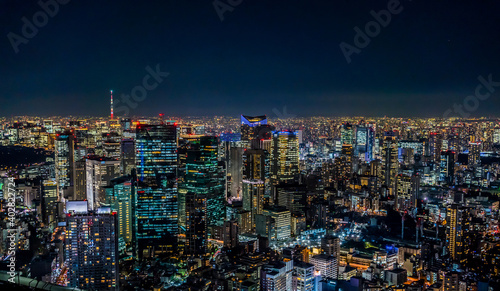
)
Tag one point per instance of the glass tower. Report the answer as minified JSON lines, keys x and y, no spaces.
{"x":156,"y":213}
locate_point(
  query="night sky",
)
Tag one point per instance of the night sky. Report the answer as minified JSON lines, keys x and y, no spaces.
{"x":264,"y":55}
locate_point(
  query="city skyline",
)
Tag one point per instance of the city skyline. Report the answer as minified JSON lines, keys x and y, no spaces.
{"x":236,"y":145}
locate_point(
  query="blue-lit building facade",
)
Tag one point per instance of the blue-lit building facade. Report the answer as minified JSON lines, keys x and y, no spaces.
{"x":156,"y":213}
{"x":365,"y":141}
{"x":204,"y":176}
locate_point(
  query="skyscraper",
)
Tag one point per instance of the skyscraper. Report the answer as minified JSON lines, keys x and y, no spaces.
{"x":127,"y":156}
{"x":457,"y":228}
{"x":277,"y":276}
{"x":474,"y":153}
{"x":91,"y":247}
{"x":64,"y":159}
{"x":347,"y":134}
{"x":249,"y":125}
{"x":119,"y":195}
{"x":303,"y":276}
{"x":253,"y":198}
{"x":331,"y":245}
{"x":202,"y":175}
{"x":196,"y":224}
{"x":447,"y":166}
{"x":390,"y":164}
{"x":99,"y":173}
{"x":256,"y":167}
{"x":284,"y":157}
{"x":157,"y":210}
{"x":365,"y":138}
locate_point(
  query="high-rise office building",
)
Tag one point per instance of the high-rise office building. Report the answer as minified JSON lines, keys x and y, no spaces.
{"x":91,"y":247}
{"x":390,"y":163}
{"x":407,"y":191}
{"x":119,"y":195}
{"x":249,"y":125}
{"x":292,"y":196}
{"x":457,"y":232}
{"x":203,"y":175}
{"x":253,"y":198}
{"x":347,"y":134}
{"x":277,"y":276}
{"x":156,"y":211}
{"x":435,"y":146}
{"x":127,"y":156}
{"x":49,"y":201}
{"x":230,"y":233}
{"x":365,"y":139}
{"x":256,"y":166}
{"x":303,"y":276}
{"x":282,"y":222}
{"x":284,"y":157}
{"x":331,"y":245}
{"x":447,"y":166}
{"x":196,"y":224}
{"x":326,"y":265}
{"x":474,"y":153}
{"x":99,"y":173}
{"x":80,"y":186}
{"x":63,"y":160}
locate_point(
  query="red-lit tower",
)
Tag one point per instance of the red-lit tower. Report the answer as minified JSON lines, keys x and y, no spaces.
{"x":112,"y":117}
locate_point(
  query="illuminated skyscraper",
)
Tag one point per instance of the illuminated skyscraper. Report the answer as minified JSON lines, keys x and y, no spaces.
{"x":407,"y":191}
{"x":447,"y":166}
{"x":284,"y":157}
{"x":331,"y":245}
{"x":253,"y":198}
{"x":99,"y":173}
{"x":390,"y":164}
{"x":435,"y":146}
{"x":281,"y":220}
{"x":277,"y":276}
{"x":64,"y":159}
{"x":347,"y":134}
{"x":303,"y":276}
{"x":457,"y":228}
{"x":127,"y":156}
{"x":365,"y":139}
{"x":256,"y":166}
{"x":474,"y":153}
{"x":347,"y":156}
{"x":157,"y":210}
{"x":196,"y":224}
{"x":249,"y":125}
{"x":49,"y":198}
{"x":326,"y":265}
{"x":203,"y":176}
{"x":231,"y":233}
{"x":119,"y":195}
{"x":91,"y":247}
